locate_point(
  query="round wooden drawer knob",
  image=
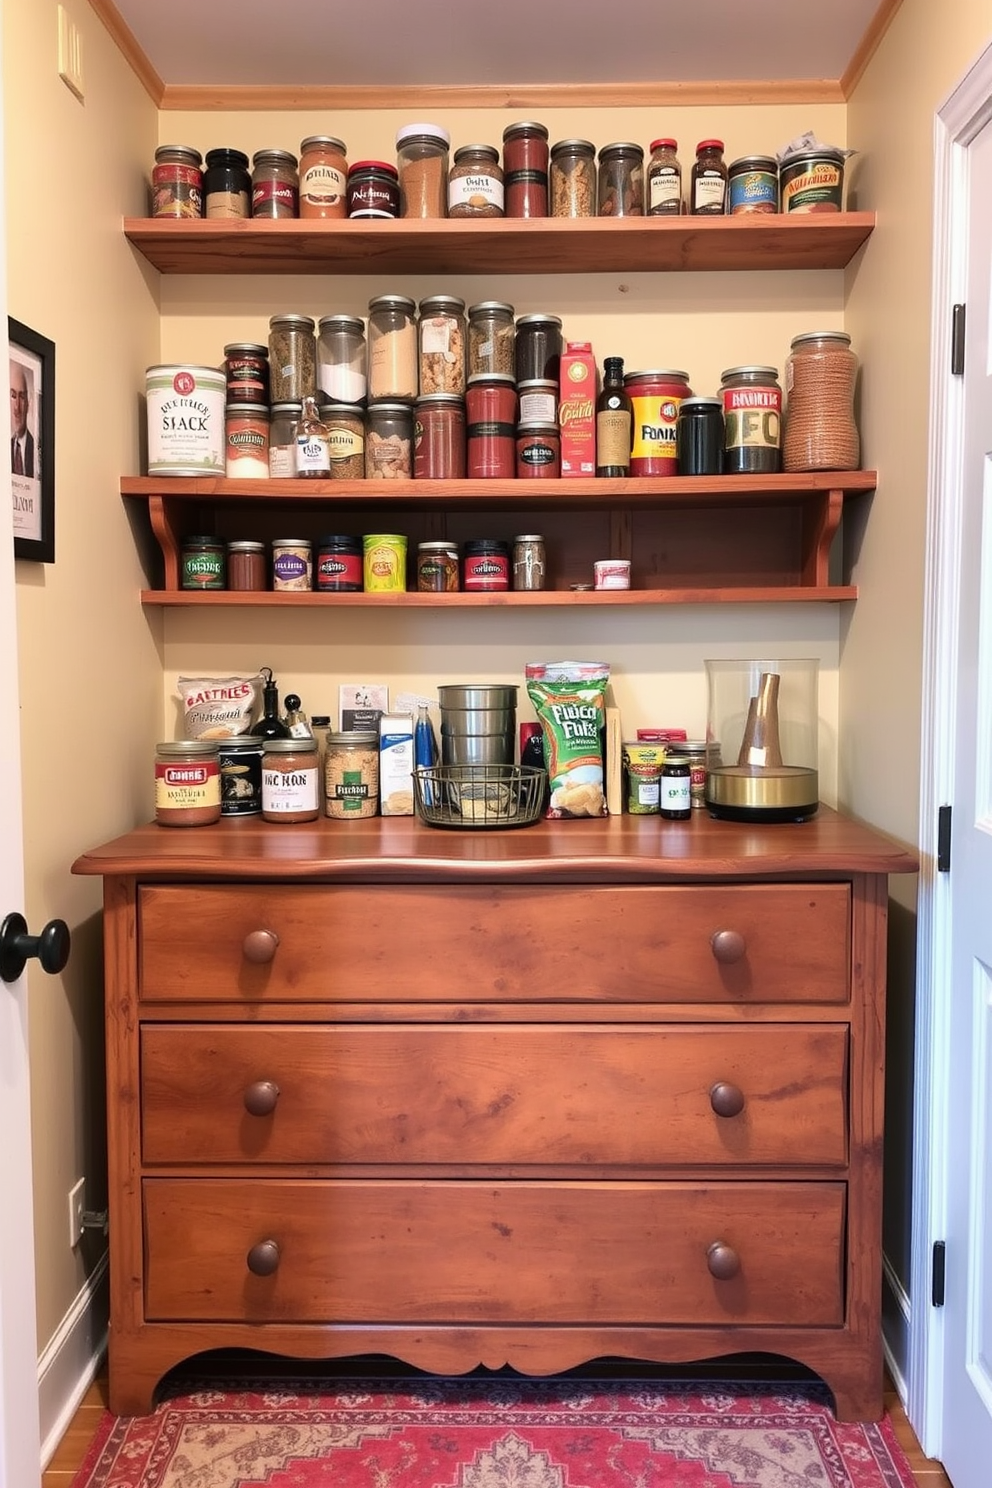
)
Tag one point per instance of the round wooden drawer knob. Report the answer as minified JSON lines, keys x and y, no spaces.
{"x":723,"y":1261}
{"x":260,"y":947}
{"x":728,"y":946}
{"x":263,"y":1258}
{"x":727,"y":1099}
{"x":261,"y":1097}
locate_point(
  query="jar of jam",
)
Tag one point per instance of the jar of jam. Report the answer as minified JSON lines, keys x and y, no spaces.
{"x":708,"y":192}
{"x":323,"y":177}
{"x":246,"y":366}
{"x":339,"y":564}
{"x":538,"y":452}
{"x":537,"y":348}
{"x":439,"y":437}
{"x":246,"y":566}
{"x":187,"y":783}
{"x":240,"y":776}
{"x":655,"y":398}
{"x":437,"y":567}
{"x":573,"y":178}
{"x":675,"y":796}
{"x":475,"y":182}
{"x":621,"y":180}
{"x":491,"y":413}
{"x":227,"y":184}
{"x":201,"y":563}
{"x":664,"y":194}
{"x":373,"y":189}
{"x":275,"y":184}
{"x":290,"y":780}
{"x":486,"y":566}
{"x":752,"y":414}
{"x":177,"y":182}
{"x":422,"y":163}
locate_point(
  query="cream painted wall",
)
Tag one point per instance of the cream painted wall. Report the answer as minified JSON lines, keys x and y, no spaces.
{"x":90,"y":661}
{"x":700,"y":322}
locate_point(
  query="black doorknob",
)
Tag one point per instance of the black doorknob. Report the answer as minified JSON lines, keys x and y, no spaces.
{"x":16,"y":946}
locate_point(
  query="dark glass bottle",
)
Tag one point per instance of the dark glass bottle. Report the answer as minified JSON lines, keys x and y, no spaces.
{"x":614,"y":422}
{"x":270,"y":725}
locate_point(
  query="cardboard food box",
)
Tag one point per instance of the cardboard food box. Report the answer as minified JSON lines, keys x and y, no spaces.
{"x":578,"y":386}
{"x":396,"y":764}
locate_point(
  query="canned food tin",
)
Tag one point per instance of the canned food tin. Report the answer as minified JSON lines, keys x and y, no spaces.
{"x":339,"y":564}
{"x":292,"y":559}
{"x":752,"y":411}
{"x":752,"y":185}
{"x":655,"y":398}
{"x":185,"y":407}
{"x":240,"y":776}
{"x":486,"y":566}
{"x":812,"y":181}
{"x":385,"y":563}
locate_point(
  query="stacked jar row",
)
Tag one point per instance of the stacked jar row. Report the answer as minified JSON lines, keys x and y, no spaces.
{"x":567,"y":179}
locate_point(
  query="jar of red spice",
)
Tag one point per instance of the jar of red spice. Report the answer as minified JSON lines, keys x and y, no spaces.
{"x":655,"y":398}
{"x":491,"y":410}
{"x":525,"y":169}
{"x":538,"y":452}
{"x":486,"y":566}
{"x":439,"y":437}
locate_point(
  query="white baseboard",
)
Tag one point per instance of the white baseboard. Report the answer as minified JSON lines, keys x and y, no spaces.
{"x":897,"y":1312}
{"x":70,"y":1362}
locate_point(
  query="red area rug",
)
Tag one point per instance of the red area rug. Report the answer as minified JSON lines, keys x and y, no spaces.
{"x":492,"y":1433}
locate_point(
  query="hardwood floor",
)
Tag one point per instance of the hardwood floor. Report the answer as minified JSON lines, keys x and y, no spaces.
{"x":72,"y":1449}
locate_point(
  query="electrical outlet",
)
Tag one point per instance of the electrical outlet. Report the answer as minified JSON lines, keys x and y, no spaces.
{"x":70,"y":53}
{"x":77,"y":1207}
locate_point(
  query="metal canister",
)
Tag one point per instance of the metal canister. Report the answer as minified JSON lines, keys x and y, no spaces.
{"x":699,"y":436}
{"x":752,"y":185}
{"x":656,"y":396}
{"x":384,"y":556}
{"x":240,"y":776}
{"x":752,"y":412}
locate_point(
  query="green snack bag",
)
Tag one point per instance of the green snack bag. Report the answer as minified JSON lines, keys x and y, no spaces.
{"x":570,"y":698}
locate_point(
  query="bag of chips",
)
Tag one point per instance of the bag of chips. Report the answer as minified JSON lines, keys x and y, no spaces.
{"x":570,"y":698}
{"x":219,"y":707}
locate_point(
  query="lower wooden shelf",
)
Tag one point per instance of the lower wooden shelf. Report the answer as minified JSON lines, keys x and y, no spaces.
{"x":546,"y":598}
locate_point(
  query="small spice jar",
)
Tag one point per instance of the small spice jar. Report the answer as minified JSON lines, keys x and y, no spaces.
{"x":351,"y":775}
{"x":643,"y":763}
{"x":323,"y":177}
{"x":699,"y":436}
{"x":275,"y":184}
{"x":292,"y":358}
{"x":422,"y":164}
{"x":373,"y":189}
{"x":389,"y":441}
{"x":697,"y":753}
{"x":246,"y":566}
{"x":246,"y":432}
{"x":341,"y":358}
{"x":486,"y":566}
{"x":475,"y":182}
{"x":384,"y":562}
{"x":490,"y":338}
{"x":392,"y":353}
{"x":187,"y":783}
{"x":292,"y":560}
{"x":226,"y":184}
{"x":339,"y":564}
{"x":675,"y":799}
{"x":538,"y":451}
{"x":620,"y":191}
{"x":201,"y":563}
{"x":821,"y":374}
{"x":708,"y":191}
{"x":664,"y":179}
{"x":752,"y":185}
{"x":437,"y":567}
{"x":282,"y":440}
{"x":752,"y":411}
{"x":573,"y":178}
{"x":345,"y":425}
{"x":491,"y":427}
{"x":529,"y":561}
{"x":525,"y":169}
{"x":240,"y":761}
{"x":290,"y":780}
{"x":246,"y":366}
{"x":442,"y":335}
{"x":439,"y":437}
{"x":177,"y":182}
{"x":537,"y":348}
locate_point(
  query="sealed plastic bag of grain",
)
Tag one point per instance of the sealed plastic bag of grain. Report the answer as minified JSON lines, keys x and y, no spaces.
{"x":570,"y":698}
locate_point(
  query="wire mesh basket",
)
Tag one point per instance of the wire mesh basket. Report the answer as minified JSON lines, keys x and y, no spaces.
{"x":479,"y":795}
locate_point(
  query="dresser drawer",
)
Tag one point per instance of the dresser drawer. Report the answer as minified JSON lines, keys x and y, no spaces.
{"x":259,"y":943}
{"x":473,"y":1253}
{"x":531,"y":1095}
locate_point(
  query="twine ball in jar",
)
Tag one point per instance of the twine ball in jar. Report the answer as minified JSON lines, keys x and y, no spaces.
{"x":820,"y":429}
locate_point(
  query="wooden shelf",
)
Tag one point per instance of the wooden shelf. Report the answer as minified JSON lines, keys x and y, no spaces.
{"x":546,"y":245}
{"x":691,"y":540}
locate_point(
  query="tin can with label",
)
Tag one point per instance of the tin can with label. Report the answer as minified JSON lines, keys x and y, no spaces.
{"x":655,"y":398}
{"x":339,"y":564}
{"x":813,"y":180}
{"x":385,"y":562}
{"x":643,"y":763}
{"x":752,"y":185}
{"x":486,"y":565}
{"x":240,"y":776}
{"x":185,"y":408}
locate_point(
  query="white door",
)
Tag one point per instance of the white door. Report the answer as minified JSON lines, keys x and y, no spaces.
{"x":20,"y":1451}
{"x":967,"y":1405}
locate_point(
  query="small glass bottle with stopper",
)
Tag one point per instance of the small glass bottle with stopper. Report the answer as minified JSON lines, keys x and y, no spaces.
{"x":295,"y":719}
{"x":313,"y":449}
{"x":270,"y":725}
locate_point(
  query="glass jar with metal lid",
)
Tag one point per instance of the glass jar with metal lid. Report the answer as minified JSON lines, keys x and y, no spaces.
{"x":373,"y":189}
{"x":226,"y":184}
{"x":187,"y":783}
{"x":323,"y":177}
{"x":675,"y":794}
{"x":620,"y":191}
{"x":246,"y":566}
{"x":292,"y":358}
{"x":475,"y":182}
{"x":177,"y":182}
{"x":341,"y":355}
{"x":389,"y":441}
{"x":351,"y":775}
{"x":345,"y":424}
{"x":525,"y":169}
{"x":752,"y":414}
{"x":573,"y":178}
{"x":290,"y":780}
{"x":490,"y":338}
{"x":392,"y":355}
{"x":422,"y":163}
{"x":292,"y":563}
{"x":282,"y":440}
{"x":821,"y":374}
{"x":246,"y":366}
{"x":201,"y":563}
{"x":442,"y":336}
{"x":537,"y":347}
{"x":275,"y":184}
{"x":437,"y":567}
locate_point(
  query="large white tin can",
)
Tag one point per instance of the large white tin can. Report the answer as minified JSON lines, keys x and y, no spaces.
{"x":185,"y":420}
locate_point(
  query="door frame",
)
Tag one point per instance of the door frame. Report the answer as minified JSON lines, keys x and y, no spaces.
{"x":964,"y":113}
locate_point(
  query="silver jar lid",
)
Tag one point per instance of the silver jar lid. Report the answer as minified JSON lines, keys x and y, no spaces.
{"x":187,"y":748}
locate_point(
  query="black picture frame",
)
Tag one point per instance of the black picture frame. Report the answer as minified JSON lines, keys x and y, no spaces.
{"x":32,"y":462}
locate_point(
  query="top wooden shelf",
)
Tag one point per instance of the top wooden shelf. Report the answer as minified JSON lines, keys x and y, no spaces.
{"x":547,"y":245}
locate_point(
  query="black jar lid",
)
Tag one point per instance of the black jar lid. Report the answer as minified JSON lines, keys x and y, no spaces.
{"x":691,"y":405}
{"x":530,"y":321}
{"x":245,"y":348}
{"x":233,"y":159}
{"x":486,"y":545}
{"x":339,"y":542}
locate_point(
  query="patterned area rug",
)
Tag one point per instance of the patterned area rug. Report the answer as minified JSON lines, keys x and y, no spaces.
{"x":492,"y":1433}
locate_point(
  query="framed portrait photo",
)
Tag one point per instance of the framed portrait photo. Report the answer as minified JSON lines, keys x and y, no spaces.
{"x":32,"y":442}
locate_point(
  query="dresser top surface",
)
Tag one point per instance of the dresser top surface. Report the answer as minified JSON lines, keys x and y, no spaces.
{"x":631,"y":849}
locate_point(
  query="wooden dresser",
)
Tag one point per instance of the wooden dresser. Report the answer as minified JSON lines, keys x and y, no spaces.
{"x":526,"y":1097}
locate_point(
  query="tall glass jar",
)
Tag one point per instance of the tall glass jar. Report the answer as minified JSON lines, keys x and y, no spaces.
{"x":389,"y":441}
{"x":490,"y":337}
{"x":275,"y":184}
{"x":708,"y":192}
{"x":226,"y":184}
{"x":323,"y":177}
{"x":392,"y":355}
{"x":821,"y":374}
{"x":525,"y":169}
{"x":292,"y":358}
{"x":664,"y":179}
{"x":422,"y":162}
{"x":752,"y":411}
{"x":621,"y":180}
{"x":573,"y":178}
{"x":442,"y":336}
{"x":282,"y":440}
{"x":475,"y":182}
{"x":341,"y":358}
{"x":177,"y":182}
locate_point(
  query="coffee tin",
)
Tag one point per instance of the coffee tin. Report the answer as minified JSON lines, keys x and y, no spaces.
{"x":185,"y":407}
{"x":813,"y":181}
{"x":240,"y":775}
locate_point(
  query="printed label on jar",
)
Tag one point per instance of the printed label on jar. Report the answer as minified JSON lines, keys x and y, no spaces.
{"x":240,"y":783}
{"x":475,"y":191}
{"x":274,"y":198}
{"x":665,"y":193}
{"x":187,"y":786}
{"x":248,"y":452}
{"x":655,"y":423}
{"x":322,"y":186}
{"x":753,"y":417}
{"x":537,"y":408}
{"x":282,"y":460}
{"x":709,"y":193}
{"x":752,"y":191}
{"x":290,"y":570}
{"x":487,"y":572}
{"x":228,"y":204}
{"x":339,"y":571}
{"x":312,"y":456}
{"x":289,"y":791}
{"x":346,"y":444}
{"x":675,"y":793}
{"x":536,"y":452}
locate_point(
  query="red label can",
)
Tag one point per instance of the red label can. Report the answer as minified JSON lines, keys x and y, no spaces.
{"x":655,"y":397}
